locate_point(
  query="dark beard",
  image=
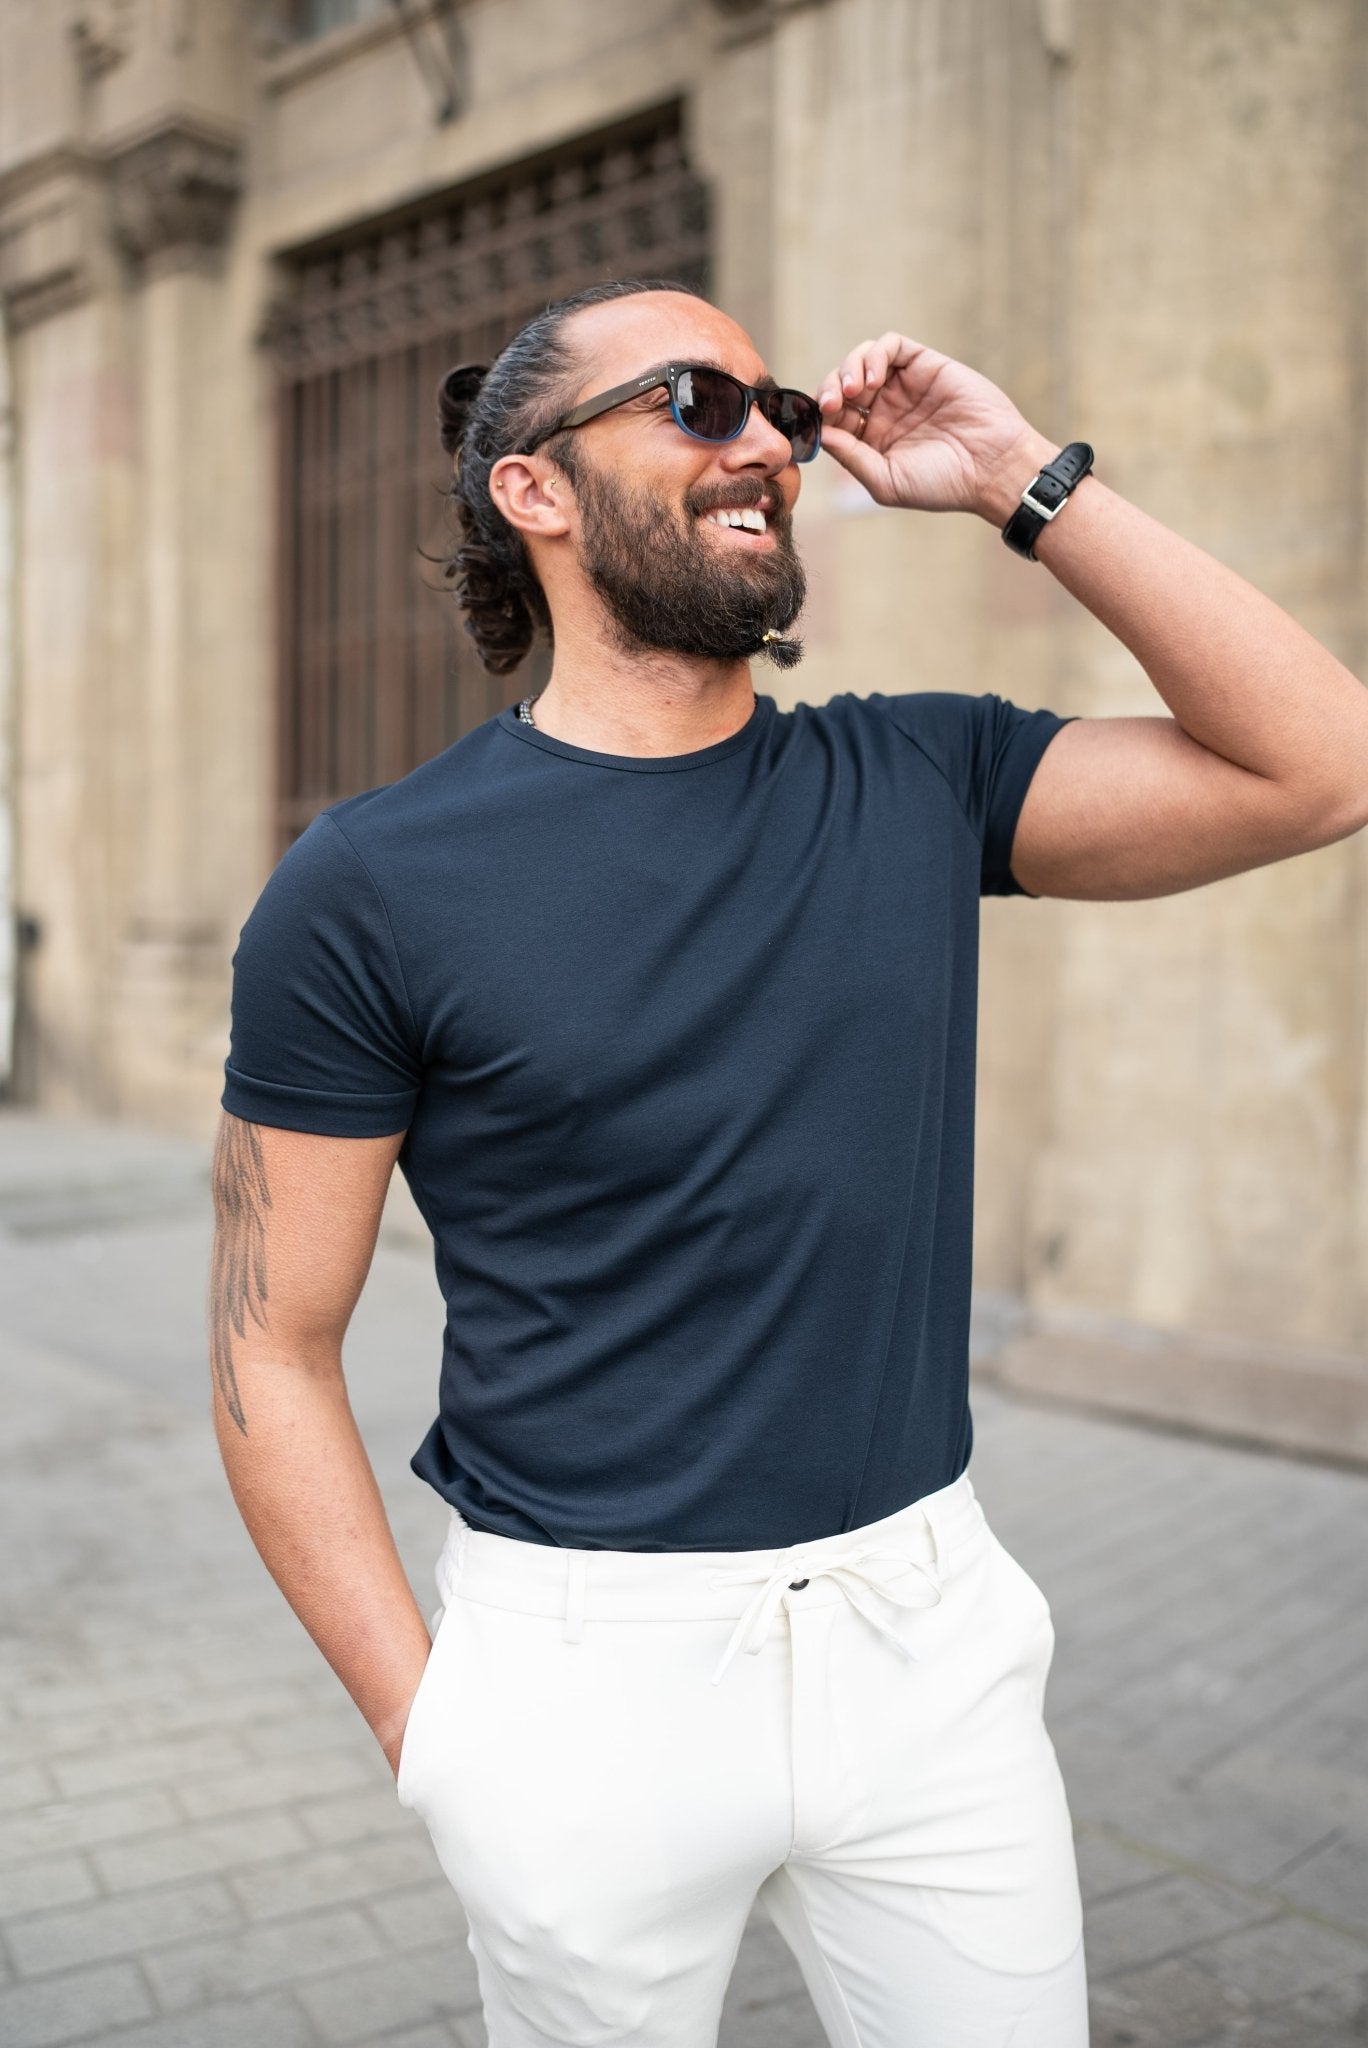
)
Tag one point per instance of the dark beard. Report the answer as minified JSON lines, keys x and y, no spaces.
{"x":665,"y":587}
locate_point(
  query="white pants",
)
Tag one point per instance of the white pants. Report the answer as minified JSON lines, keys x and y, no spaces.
{"x":616,"y":1752}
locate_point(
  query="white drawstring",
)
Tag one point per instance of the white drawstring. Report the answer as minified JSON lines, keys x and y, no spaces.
{"x":754,"y":1624}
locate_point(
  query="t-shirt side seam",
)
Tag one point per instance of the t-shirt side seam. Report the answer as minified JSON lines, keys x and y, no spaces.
{"x":389,"y":926}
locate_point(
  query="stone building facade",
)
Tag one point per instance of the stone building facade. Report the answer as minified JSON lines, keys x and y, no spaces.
{"x":236,"y":243}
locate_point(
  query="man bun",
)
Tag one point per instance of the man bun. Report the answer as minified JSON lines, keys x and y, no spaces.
{"x":456,"y":394}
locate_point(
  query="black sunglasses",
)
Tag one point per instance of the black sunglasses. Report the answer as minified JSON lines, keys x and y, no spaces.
{"x":711,"y":405}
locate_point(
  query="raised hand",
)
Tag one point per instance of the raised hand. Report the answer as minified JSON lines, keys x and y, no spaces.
{"x":920,"y":430}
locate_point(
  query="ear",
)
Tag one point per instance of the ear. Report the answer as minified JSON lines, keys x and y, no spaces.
{"x":531,"y":493}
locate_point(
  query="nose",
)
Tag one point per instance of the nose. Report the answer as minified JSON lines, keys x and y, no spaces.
{"x":758,"y":446}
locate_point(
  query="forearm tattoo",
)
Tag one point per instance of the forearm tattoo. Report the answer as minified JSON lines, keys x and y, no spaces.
{"x":237,"y":1285}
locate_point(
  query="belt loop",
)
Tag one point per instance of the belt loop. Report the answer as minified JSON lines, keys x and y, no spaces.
{"x":937,"y":1541}
{"x":576,"y":1573}
{"x":452,"y":1556}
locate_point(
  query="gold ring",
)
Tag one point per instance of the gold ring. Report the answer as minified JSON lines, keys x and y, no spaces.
{"x":864,"y":422}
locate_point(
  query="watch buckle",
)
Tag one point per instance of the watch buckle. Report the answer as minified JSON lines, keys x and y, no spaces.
{"x":1034,"y":504}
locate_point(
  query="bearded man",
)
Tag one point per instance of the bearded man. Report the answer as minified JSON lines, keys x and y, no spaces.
{"x":663,"y":999}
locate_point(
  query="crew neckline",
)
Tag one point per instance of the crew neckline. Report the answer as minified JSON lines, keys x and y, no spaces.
{"x":647,"y":764}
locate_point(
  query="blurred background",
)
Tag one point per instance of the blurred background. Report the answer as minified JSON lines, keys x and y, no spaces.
{"x":240,"y":243}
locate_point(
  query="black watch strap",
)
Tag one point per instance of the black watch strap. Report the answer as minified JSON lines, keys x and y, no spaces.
{"x":1044,"y":496}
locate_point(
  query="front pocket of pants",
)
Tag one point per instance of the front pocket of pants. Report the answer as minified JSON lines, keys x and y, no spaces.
{"x":411,"y":1742}
{"x":1038,"y":1637}
{"x":1005,"y":1892}
{"x":1031,"y":1595}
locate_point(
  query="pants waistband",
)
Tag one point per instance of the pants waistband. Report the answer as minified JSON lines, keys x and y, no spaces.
{"x":917,"y":1543}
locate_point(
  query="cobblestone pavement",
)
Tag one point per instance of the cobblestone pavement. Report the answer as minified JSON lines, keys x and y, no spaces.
{"x":199,"y":1843}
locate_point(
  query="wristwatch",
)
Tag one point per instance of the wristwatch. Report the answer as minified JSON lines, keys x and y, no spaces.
{"x":1045,"y":496}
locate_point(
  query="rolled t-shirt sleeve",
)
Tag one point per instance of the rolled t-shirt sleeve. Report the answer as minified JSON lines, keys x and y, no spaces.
{"x":323,"y":1038}
{"x":987,"y":748}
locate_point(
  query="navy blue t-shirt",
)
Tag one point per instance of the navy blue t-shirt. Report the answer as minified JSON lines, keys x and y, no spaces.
{"x":684,"y":1049}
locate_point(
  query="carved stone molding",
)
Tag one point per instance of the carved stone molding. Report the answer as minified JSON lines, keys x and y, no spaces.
{"x":172,"y":196}
{"x":744,"y":19}
{"x":105,"y":32}
{"x":52,"y":249}
{"x":1058,"y":29}
{"x":162,"y":202}
{"x":102,"y":32}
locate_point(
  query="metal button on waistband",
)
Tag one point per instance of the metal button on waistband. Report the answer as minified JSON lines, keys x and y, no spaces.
{"x":797,"y":1585}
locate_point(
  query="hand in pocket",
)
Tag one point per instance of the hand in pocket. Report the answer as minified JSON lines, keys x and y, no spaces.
{"x":392,"y":1735}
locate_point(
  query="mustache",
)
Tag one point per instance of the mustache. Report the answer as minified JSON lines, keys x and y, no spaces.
{"x":744,"y":495}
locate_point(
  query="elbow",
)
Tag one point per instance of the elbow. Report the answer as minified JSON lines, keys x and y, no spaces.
{"x":1337,"y":803}
{"x":1351,"y":811}
{"x":1331,"y":803}
{"x":1337,"y":815}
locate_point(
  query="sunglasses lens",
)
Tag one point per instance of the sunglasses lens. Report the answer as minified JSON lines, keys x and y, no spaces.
{"x":798,"y":416}
{"x":711,"y":404}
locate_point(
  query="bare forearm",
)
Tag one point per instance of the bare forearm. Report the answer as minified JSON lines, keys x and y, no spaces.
{"x":1240,"y":676}
{"x":308,"y":1496}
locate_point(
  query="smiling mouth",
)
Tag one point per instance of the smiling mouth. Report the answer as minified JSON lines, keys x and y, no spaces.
{"x":748,"y":520}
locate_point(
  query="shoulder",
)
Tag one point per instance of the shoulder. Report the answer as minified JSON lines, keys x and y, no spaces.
{"x":942,"y":725}
{"x":907,"y":711}
{"x":380,"y":826}
{"x":951,"y":726}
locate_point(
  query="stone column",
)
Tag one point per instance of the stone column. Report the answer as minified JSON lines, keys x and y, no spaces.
{"x":732,"y":144}
{"x":69,"y":470}
{"x":9,"y":923}
{"x":172,"y":197}
{"x":917,"y":186}
{"x":119,"y":167}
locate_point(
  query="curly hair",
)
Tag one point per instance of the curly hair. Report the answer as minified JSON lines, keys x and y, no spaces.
{"x":485,"y":413}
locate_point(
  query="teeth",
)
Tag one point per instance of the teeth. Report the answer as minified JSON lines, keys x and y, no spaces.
{"x":752,"y":520}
